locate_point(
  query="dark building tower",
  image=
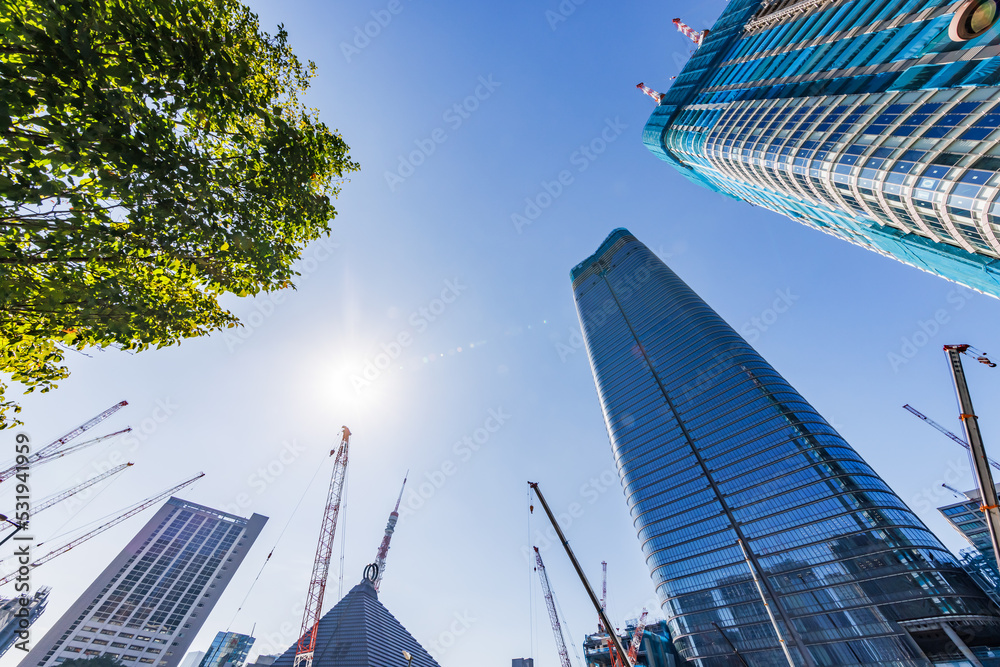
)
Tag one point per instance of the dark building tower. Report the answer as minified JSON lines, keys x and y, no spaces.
{"x":144,"y":609}
{"x":875,"y":121}
{"x":714,"y":447}
{"x":359,"y":631}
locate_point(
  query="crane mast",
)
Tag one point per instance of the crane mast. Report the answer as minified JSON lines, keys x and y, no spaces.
{"x":306,"y":647}
{"x":390,"y":528}
{"x":52,"y":450}
{"x":551,"y":605}
{"x":135,"y":509}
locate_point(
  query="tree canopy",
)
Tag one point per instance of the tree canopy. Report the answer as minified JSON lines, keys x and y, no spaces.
{"x":154,"y":155}
{"x":100,"y":661}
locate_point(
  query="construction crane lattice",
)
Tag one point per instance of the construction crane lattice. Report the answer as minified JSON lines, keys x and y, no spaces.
{"x":551,"y":605}
{"x":52,"y":450}
{"x":306,"y":647}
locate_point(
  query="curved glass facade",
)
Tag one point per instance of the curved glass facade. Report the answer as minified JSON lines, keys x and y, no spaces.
{"x":713,"y":447}
{"x":863,"y":118}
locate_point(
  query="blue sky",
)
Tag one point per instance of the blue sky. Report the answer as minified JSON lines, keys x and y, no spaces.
{"x":478,"y":319}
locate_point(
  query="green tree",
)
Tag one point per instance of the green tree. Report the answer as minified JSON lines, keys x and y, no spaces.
{"x":154,"y":155}
{"x":101,"y":661}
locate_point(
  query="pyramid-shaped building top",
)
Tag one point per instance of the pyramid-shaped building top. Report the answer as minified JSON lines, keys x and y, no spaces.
{"x":360,"y":632}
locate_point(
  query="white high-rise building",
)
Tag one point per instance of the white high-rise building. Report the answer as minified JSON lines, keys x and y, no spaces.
{"x":150,"y":602}
{"x":192,"y":659}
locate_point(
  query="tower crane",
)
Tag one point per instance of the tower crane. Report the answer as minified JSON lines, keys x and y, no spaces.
{"x":52,"y":450}
{"x":108,"y":525}
{"x":390,"y":528}
{"x":947,"y":433}
{"x":551,"y":605}
{"x":306,"y":647}
{"x":690,"y":33}
{"x":72,"y":491}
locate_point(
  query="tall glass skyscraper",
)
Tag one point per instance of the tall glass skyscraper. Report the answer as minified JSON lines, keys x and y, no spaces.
{"x":144,"y":609}
{"x":714,"y":447}
{"x":872,"y":120}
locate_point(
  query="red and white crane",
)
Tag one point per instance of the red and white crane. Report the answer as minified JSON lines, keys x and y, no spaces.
{"x":689,"y":32}
{"x":306,"y":647}
{"x":640,"y":628}
{"x":553,"y":616}
{"x":390,"y":528}
{"x":53,"y":451}
{"x":108,"y":525}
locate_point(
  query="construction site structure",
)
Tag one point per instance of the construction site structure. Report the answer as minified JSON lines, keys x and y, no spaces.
{"x":954,"y":438}
{"x":57,"y":449}
{"x":689,"y":32}
{"x":103,"y":527}
{"x":306,"y":647}
{"x":390,"y":528}
{"x":550,"y":604}
{"x":653,"y":648}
